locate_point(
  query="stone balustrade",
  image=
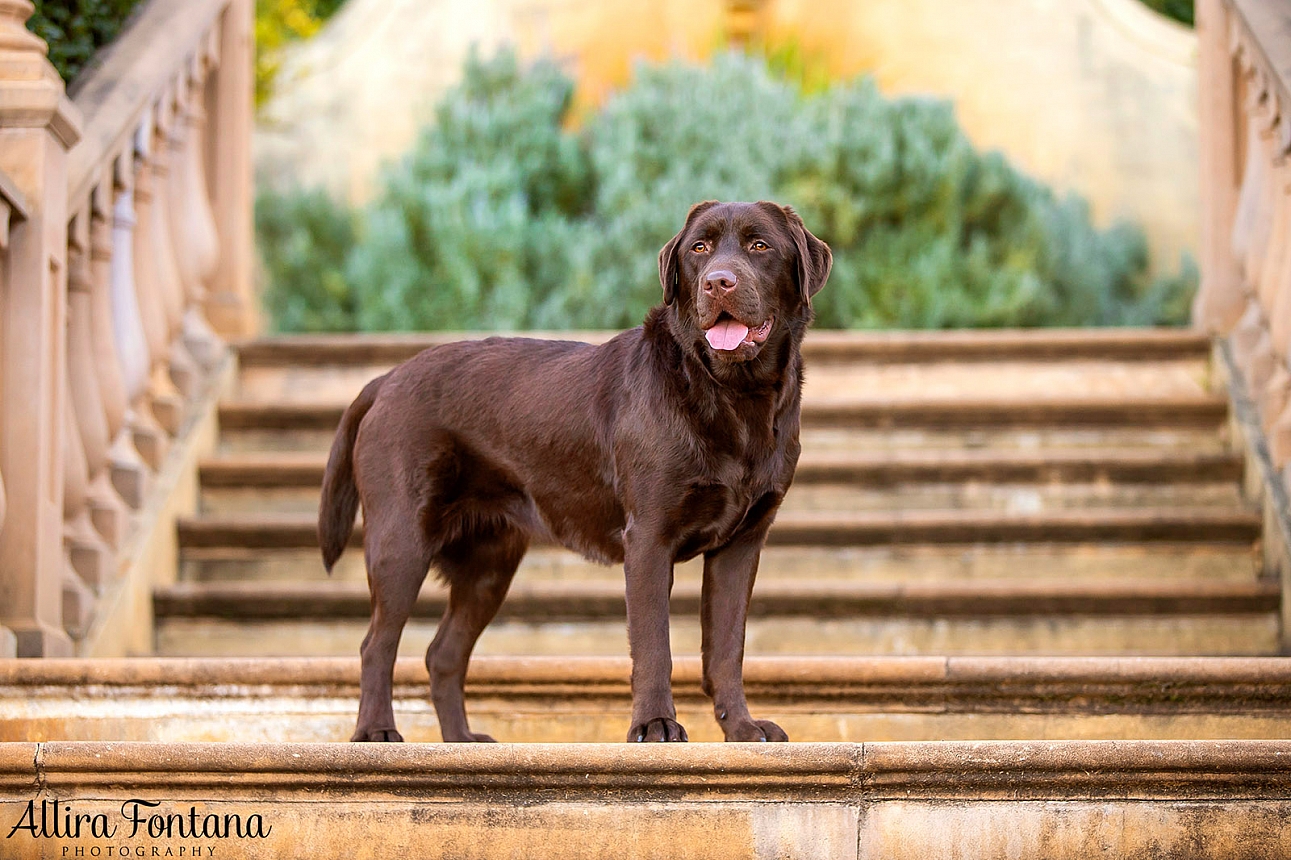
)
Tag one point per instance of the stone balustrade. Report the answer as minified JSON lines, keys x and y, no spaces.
{"x":127,"y":219}
{"x":1245,"y":113}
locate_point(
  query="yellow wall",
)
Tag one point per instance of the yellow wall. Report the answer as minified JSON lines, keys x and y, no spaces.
{"x":1097,"y":96}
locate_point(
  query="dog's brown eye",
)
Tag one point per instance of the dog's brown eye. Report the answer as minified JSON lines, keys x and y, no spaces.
{"x":699,"y":247}
{"x":759,"y":245}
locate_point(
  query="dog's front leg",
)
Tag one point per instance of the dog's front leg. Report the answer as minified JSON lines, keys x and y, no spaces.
{"x":647,"y":566}
{"x":724,"y":608}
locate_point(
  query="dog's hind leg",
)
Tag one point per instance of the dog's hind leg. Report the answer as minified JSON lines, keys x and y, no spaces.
{"x":479,"y":569}
{"x":397,"y":564}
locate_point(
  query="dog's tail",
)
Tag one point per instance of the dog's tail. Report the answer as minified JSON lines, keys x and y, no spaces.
{"x":339,"y":503}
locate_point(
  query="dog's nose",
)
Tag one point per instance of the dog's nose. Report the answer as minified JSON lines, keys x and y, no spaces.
{"x":720,"y":281}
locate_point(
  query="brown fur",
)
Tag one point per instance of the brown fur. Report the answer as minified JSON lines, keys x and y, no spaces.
{"x":647,"y":450}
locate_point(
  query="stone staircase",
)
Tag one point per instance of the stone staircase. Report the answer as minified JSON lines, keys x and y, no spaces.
{"x":1017,"y":604}
{"x":1006,"y":493}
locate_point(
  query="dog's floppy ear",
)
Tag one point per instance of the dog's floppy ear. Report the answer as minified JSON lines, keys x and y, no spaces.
{"x":814,"y":257}
{"x":669,"y":266}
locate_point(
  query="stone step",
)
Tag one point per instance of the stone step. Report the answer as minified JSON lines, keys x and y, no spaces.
{"x":976,"y":496}
{"x":1022,"y":482}
{"x":808,"y":618}
{"x":832,"y":381}
{"x":867,"y":528}
{"x":557,"y":601}
{"x":901,"y":801}
{"x":1129,"y":466}
{"x":1241,"y":634}
{"x":1205,"y":439}
{"x":1049,"y":344}
{"x":1196,"y":410}
{"x":588,"y":699}
{"x":338,"y":384}
{"x":888,"y":365}
{"x":1088,"y":562}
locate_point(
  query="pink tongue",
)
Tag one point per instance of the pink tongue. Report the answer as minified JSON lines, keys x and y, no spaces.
{"x":727,"y":334}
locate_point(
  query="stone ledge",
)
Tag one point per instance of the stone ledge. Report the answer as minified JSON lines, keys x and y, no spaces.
{"x":979,"y":770}
{"x":1050,"y":684}
{"x":905,"y":801}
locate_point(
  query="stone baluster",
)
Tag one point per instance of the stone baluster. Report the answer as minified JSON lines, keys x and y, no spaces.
{"x":231,"y":306}
{"x":38,"y":125}
{"x":128,"y":473}
{"x":1220,"y":302}
{"x":1263,"y":111}
{"x":105,"y":507}
{"x":88,"y":559}
{"x":1253,"y":237}
{"x":167,"y":404}
{"x":1268,"y":245}
{"x":193,"y":233}
{"x":129,"y":323}
{"x":183,"y":369}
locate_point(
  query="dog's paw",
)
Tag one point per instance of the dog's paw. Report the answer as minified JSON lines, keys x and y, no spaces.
{"x":658,"y":730}
{"x":757,"y":731}
{"x":377,"y":736}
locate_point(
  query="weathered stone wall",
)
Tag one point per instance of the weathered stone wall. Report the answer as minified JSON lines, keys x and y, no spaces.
{"x":1097,"y":96}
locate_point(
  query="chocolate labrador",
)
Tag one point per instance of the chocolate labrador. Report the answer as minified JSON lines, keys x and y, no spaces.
{"x":676,"y":438}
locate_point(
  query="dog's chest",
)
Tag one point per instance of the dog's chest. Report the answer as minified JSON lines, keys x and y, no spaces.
{"x":713,"y":508}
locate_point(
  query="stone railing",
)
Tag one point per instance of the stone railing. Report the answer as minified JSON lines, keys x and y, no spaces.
{"x":128,"y":262}
{"x":1245,"y":113}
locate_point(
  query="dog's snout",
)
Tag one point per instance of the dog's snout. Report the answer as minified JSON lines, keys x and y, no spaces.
{"x":719,"y":282}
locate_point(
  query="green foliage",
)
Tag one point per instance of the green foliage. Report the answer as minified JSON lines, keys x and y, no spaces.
{"x":311,"y":237}
{"x":501,"y":217}
{"x":75,"y":29}
{"x":1179,"y":10}
{"x":483,"y":207}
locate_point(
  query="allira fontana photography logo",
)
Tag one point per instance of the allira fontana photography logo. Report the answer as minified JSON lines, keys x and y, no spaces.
{"x":131,"y":830}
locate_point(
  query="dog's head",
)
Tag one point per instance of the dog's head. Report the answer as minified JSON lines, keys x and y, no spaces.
{"x":740,"y":277}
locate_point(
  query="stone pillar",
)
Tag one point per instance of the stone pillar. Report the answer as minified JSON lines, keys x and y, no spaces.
{"x":38,"y":124}
{"x":231,"y":306}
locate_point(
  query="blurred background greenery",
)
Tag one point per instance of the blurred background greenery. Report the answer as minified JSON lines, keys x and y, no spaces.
{"x":504,"y":216}
{"x":509,"y":214}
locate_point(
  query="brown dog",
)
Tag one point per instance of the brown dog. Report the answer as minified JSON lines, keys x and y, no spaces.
{"x":676,"y":438}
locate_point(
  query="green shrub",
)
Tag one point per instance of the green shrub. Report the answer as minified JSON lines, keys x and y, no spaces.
{"x":502,"y":217}
{"x":311,"y":238}
{"x":75,"y":29}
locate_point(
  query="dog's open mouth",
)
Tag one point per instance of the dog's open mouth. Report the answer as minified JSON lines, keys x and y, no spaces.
{"x":729,"y":333}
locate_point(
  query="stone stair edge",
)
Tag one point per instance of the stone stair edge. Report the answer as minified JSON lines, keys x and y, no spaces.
{"x":1192,"y":410}
{"x":593,"y":600}
{"x":1122,"y":464}
{"x":899,"y":345}
{"x":299,"y":531}
{"x":234,"y":676}
{"x":1013,"y":769}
